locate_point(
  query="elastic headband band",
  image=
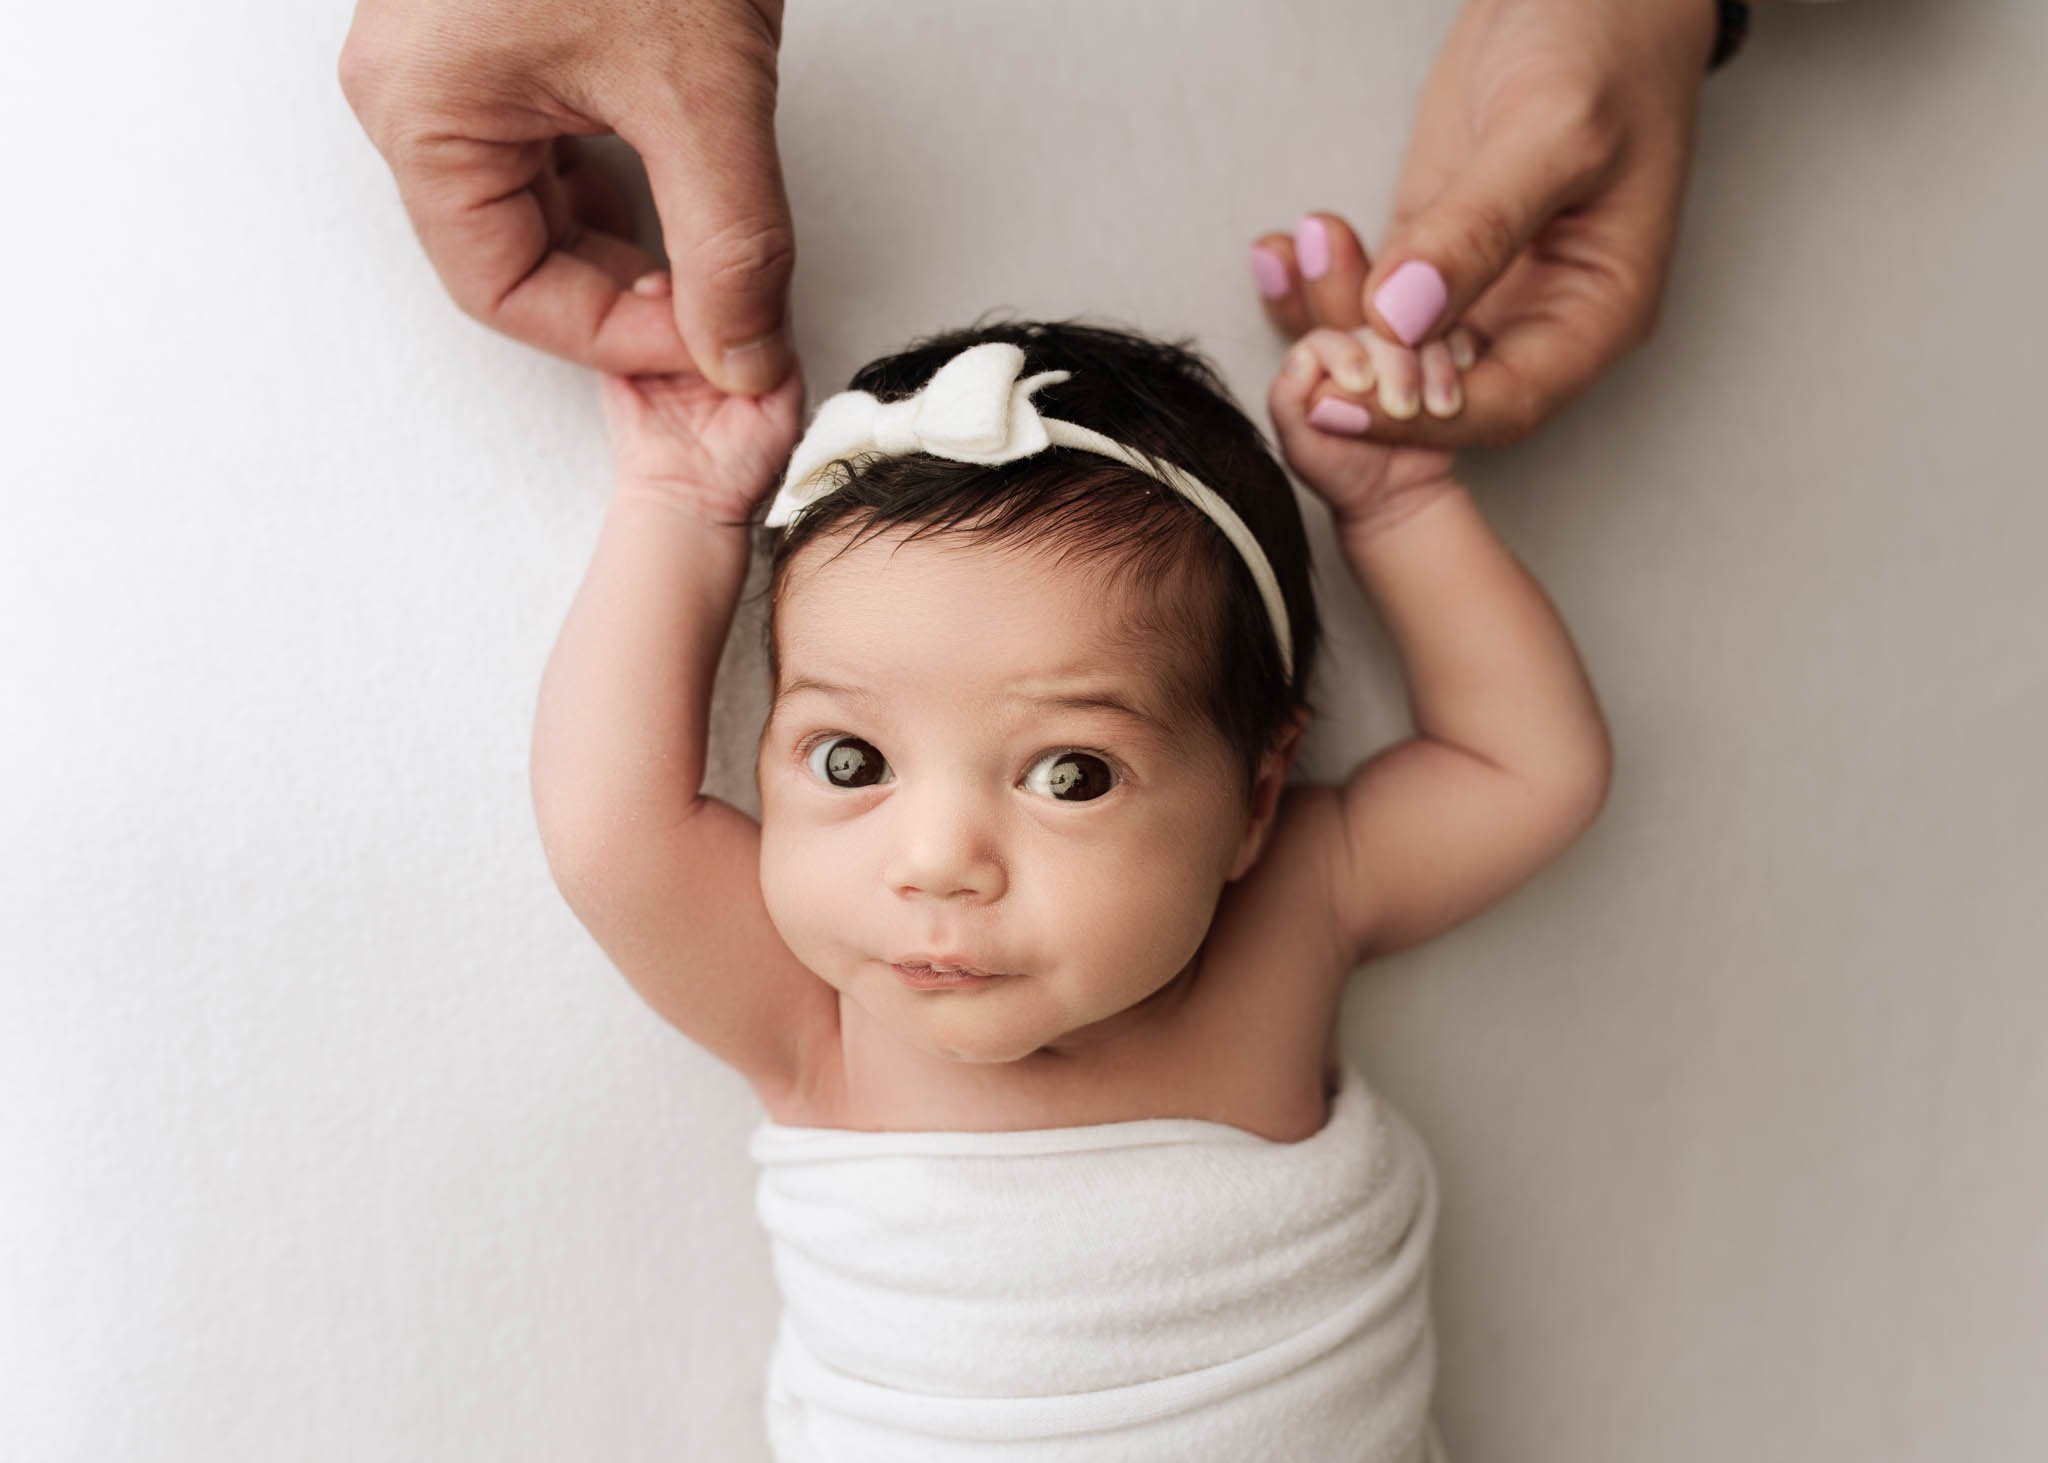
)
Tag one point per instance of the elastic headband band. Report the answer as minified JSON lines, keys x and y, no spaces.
{"x":974,"y":409}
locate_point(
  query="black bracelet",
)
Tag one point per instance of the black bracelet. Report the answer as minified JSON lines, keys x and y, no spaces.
{"x":1728,"y":37}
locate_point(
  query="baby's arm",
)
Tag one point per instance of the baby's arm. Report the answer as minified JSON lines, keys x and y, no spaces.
{"x":1511,"y":758}
{"x":667,"y":880}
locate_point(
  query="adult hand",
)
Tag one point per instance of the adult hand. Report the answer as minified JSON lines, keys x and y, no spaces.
{"x":1537,"y":205}
{"x":474,"y":104}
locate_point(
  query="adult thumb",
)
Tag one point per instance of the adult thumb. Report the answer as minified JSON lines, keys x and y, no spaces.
{"x":1440,"y":258}
{"x":717,"y":184}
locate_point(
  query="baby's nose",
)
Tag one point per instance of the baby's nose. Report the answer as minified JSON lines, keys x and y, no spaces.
{"x":946,"y":847}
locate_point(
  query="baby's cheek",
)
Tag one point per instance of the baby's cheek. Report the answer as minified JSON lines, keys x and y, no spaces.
{"x":796,"y":893}
{"x":774,"y":889}
{"x":1145,"y":911}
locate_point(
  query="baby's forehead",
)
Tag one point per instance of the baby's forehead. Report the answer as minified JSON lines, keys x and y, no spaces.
{"x":933,"y":611}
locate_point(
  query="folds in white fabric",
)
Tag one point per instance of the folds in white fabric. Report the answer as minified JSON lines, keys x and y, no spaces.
{"x":1161,"y":1288}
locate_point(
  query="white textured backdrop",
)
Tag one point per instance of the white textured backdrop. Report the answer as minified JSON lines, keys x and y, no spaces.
{"x":326,"y":1134}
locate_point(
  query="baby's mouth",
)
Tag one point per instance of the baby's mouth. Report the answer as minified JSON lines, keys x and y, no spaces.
{"x":923,"y":971}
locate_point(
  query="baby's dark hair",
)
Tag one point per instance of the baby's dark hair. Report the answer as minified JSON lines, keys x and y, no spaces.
{"x":1167,"y":404}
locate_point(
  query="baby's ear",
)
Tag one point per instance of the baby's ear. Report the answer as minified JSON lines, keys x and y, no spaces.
{"x":1297,"y":723}
{"x":1266,"y":792}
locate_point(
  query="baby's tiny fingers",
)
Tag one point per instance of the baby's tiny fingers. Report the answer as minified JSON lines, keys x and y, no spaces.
{"x":1442,"y":395}
{"x":1344,"y":357}
{"x":1399,"y":373}
{"x":1464,"y":347}
{"x":1322,"y":364}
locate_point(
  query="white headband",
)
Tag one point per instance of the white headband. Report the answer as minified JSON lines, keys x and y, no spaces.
{"x":974,"y":409}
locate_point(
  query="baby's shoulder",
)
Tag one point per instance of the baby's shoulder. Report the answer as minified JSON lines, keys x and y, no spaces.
{"x":1291,"y":883}
{"x":1274,"y":966}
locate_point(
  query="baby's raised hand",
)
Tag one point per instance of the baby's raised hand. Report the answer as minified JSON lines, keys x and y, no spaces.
{"x":681,"y":436}
{"x":1341,"y":377}
{"x":1316,"y":276}
{"x":1319,"y":403}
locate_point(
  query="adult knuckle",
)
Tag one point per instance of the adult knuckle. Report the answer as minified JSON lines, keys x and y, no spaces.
{"x":1574,"y":109}
{"x":756,"y":39}
{"x":724,"y":58}
{"x":1584,"y":141}
{"x":1489,"y":232}
{"x":380,"y":75}
{"x":361,"y":69}
{"x":1585,"y":115}
{"x":748,"y":254}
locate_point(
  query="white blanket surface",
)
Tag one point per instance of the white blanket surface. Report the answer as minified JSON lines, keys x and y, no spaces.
{"x":1161,"y":1288}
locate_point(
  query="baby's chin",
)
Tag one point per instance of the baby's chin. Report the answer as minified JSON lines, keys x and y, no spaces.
{"x":984,"y":1039}
{"x":971,"y":1031}
{"x":988,"y":1044}
{"x":981,"y":1059}
{"x":1017,"y":1019}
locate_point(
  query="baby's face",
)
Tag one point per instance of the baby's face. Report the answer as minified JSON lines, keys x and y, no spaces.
{"x":942,"y":804}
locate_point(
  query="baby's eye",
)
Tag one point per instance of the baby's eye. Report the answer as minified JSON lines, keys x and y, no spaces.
{"x":1071,"y":777}
{"x":846,"y":762}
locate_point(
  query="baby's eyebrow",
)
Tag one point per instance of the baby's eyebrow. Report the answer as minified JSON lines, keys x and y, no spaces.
{"x":1105,"y":699}
{"x":830,"y":688}
{"x":1093,"y":698}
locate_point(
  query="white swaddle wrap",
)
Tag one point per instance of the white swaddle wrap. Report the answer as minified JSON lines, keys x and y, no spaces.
{"x":1162,"y":1288}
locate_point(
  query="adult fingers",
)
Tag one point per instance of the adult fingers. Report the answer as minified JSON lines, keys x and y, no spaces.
{"x":1539,"y":361}
{"x":1521,"y":376}
{"x":708,"y":140}
{"x":1539,"y":156}
{"x":595,"y":200}
{"x":494,"y":221}
{"x":1279,"y":284}
{"x":587,"y":216}
{"x":1333,"y":267}
{"x":1557,"y":325}
{"x":475,"y":170}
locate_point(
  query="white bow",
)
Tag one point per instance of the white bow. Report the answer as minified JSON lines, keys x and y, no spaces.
{"x":974,"y":409}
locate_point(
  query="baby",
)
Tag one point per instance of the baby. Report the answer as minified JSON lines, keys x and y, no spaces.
{"x":1035,"y":956}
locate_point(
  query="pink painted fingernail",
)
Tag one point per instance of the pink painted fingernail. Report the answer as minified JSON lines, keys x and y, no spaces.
{"x":1346,"y":418}
{"x":1312,"y":246}
{"x":1269,"y":270}
{"x":1411,"y":299}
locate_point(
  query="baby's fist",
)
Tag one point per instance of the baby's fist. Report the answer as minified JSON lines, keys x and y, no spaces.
{"x":1321,"y":407}
{"x":681,"y":436}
